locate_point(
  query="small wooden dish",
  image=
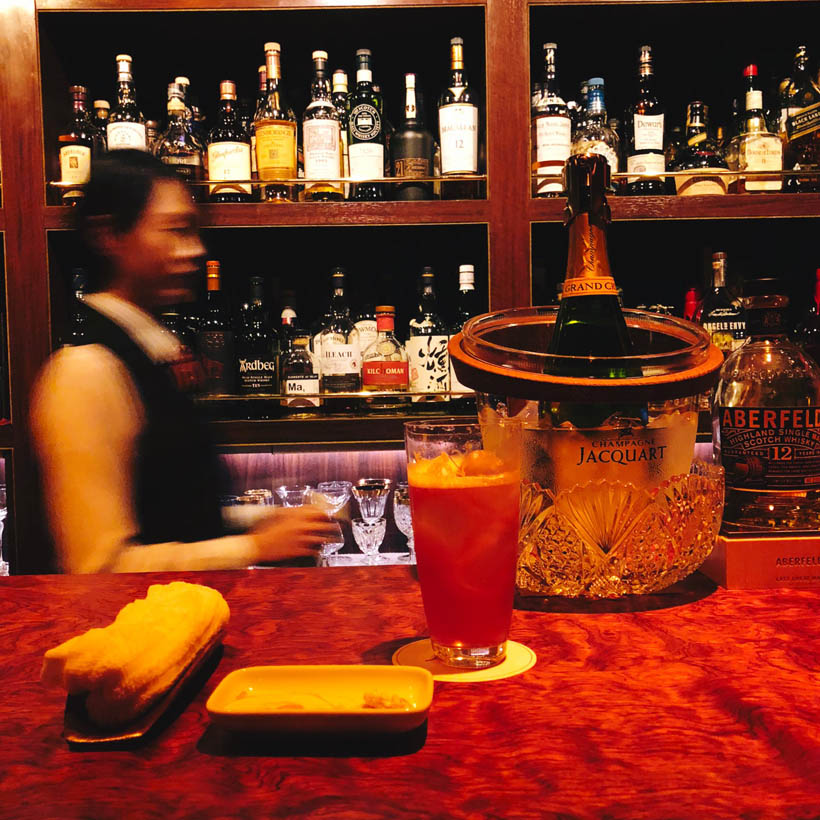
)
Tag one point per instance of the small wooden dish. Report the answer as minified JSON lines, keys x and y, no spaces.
{"x":80,"y":731}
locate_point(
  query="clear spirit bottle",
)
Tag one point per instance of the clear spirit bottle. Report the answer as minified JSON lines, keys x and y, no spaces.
{"x":551,"y":130}
{"x":178,"y":147}
{"x":766,"y":420}
{"x":321,"y":137}
{"x":340,"y":362}
{"x":300,"y":375}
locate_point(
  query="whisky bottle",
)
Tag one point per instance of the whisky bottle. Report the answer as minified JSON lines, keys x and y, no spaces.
{"x":340,"y":364}
{"x":644,"y":124}
{"x":299,"y":375}
{"x":260,"y":101}
{"x":321,"y":137}
{"x":178,"y":147}
{"x":802,"y":103}
{"x":102,"y":111}
{"x":365,"y":131}
{"x":257,"y":346}
{"x":215,"y":336}
{"x":126,"y":125}
{"x":366,"y":322}
{"x":229,"y":151}
{"x":700,"y":152}
{"x":724,"y":320}
{"x":340,"y":102}
{"x":427,"y":345}
{"x":595,"y":136}
{"x":275,"y":128}
{"x":551,"y":130}
{"x":766,"y":423}
{"x":76,"y":145}
{"x":151,"y":134}
{"x":287,"y":324}
{"x":458,"y":118}
{"x":466,"y":307}
{"x":79,"y":283}
{"x":384,"y":363}
{"x":755,"y":147}
{"x":411,"y":149}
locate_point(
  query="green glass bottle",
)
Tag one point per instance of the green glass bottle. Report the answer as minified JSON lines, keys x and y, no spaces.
{"x":590,"y":323}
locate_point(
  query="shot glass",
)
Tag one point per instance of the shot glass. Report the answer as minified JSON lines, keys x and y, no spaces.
{"x":465,"y":484}
{"x":294,"y":495}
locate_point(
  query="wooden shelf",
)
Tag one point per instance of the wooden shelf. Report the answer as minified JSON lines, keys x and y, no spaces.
{"x":730,"y":206}
{"x":261,"y":215}
{"x":344,"y":430}
{"x":238,"y":5}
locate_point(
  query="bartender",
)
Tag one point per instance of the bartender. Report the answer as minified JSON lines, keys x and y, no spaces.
{"x":130,"y":479}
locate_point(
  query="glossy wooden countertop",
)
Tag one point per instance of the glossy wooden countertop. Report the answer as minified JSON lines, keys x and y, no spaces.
{"x":700,"y":704}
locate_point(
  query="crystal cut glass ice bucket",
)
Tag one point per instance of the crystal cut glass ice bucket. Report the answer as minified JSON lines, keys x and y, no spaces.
{"x":612,"y":502}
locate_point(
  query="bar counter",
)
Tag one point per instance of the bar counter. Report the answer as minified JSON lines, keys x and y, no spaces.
{"x":700,"y":703}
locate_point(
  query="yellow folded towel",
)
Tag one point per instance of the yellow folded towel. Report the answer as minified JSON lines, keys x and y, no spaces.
{"x":129,"y":664}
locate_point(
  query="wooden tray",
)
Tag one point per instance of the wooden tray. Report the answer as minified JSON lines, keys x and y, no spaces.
{"x":79,"y":730}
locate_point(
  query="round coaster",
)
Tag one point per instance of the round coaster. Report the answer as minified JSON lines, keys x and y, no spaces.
{"x":519,"y":659}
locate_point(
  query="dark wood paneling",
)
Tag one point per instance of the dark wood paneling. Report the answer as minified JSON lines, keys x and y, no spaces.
{"x":25,"y":248}
{"x":507,"y":152}
{"x":258,"y":215}
{"x":239,"y":5}
{"x":730,"y":206}
{"x":2,"y":220}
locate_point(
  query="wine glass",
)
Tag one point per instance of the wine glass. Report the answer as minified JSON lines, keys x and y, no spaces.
{"x":369,"y":536}
{"x":371,"y":494}
{"x":401,"y":514}
{"x":332,"y":496}
{"x":294,"y":495}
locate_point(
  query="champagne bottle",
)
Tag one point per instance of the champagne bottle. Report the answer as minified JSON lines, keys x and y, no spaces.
{"x":589,"y":322}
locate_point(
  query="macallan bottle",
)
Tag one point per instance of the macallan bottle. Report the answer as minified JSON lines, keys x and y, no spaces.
{"x":321,"y":137}
{"x":229,"y":151}
{"x":275,"y":128}
{"x":126,"y":125}
{"x":458,"y":118}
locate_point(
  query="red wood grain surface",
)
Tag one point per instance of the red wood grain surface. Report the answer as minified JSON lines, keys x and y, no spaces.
{"x":700,"y":704}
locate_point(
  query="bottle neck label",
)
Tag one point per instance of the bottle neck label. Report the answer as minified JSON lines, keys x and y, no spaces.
{"x":364,"y":75}
{"x":754,"y":100}
{"x":588,"y":271}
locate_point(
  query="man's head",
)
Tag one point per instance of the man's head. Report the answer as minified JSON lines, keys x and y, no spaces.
{"x":140,"y":226}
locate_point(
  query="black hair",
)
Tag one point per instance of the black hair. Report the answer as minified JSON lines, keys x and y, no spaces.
{"x":119,"y":189}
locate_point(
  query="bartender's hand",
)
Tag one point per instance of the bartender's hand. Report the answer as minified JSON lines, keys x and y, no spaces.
{"x":292,"y":532}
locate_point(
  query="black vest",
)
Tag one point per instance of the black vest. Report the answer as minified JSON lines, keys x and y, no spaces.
{"x":178,"y":479}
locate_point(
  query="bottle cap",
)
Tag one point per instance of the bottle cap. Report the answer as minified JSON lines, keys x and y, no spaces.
{"x":227,"y":90}
{"x":550,"y":47}
{"x":427,"y":271}
{"x":272,"y":47}
{"x":319,"y":55}
{"x":212,"y":266}
{"x":175,"y":91}
{"x":385,"y":309}
{"x":256,"y":280}
{"x":410,"y":81}
{"x":466,"y":274}
{"x":78,"y":90}
{"x":124,"y":58}
{"x":183,"y":81}
{"x":456,"y":41}
{"x":102,"y":104}
{"x":586,"y":179}
{"x":750,"y":70}
{"x":364,"y":52}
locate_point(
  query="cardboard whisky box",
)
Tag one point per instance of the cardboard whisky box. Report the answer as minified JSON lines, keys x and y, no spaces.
{"x":779,"y":560}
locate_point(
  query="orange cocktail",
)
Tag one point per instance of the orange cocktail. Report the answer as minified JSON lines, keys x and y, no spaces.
{"x":465,"y":508}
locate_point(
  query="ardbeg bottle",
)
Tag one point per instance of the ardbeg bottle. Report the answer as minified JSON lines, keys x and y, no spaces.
{"x":589,"y":322}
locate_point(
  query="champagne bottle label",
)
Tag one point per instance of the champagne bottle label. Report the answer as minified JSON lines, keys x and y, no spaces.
{"x":276,"y":150}
{"x":429,"y":363}
{"x":322,"y":148}
{"x":366,"y":160}
{"x":458,"y":126}
{"x":75,"y":164}
{"x":229,"y":161}
{"x":770,"y":448}
{"x":648,"y":131}
{"x":391,"y":375}
{"x":590,"y":286}
{"x":126,"y":135}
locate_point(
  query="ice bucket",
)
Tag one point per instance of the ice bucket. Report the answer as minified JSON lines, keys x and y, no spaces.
{"x":612,"y":502}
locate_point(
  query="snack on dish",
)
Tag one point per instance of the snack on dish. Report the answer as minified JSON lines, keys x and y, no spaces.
{"x":129,"y":664}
